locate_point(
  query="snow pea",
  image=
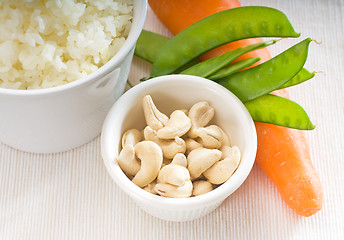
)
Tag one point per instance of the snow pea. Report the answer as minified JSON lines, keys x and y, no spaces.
{"x":218,"y":29}
{"x":149,"y":44}
{"x":233,"y":68}
{"x":268,"y":76}
{"x":300,"y":77}
{"x":279,"y":111}
{"x":205,"y":68}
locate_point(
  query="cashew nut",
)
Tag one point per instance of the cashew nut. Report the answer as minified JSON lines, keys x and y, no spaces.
{"x":174,"y":174}
{"x":192,"y":144}
{"x":222,"y":170}
{"x":228,"y":151}
{"x":180,"y":159}
{"x":213,"y":137}
{"x":150,"y":155}
{"x":200,"y":115}
{"x":169,"y":147}
{"x":154,"y":118}
{"x":127,"y":160}
{"x":131,"y":137}
{"x":174,"y":179}
{"x":200,"y":159}
{"x":168,"y":190}
{"x":201,"y":187}
{"x":176,"y":126}
{"x":225,"y":141}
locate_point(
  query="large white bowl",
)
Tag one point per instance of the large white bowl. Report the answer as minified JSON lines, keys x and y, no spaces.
{"x":60,"y":118}
{"x":170,"y":93}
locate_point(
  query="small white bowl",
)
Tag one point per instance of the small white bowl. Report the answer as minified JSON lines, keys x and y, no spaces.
{"x":170,"y":93}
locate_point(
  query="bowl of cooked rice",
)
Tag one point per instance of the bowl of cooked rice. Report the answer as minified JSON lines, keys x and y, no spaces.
{"x":62,"y":66}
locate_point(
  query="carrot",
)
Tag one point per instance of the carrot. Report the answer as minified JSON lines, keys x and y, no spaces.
{"x":283,"y":153}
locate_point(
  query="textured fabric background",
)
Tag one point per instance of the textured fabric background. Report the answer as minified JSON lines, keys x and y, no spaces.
{"x":71,"y":196}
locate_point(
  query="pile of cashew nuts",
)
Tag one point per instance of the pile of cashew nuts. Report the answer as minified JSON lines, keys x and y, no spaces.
{"x":178,"y":156}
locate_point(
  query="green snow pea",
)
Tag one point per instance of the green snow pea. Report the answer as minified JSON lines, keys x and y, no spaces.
{"x":218,"y":29}
{"x":149,"y":44}
{"x":279,"y":111}
{"x":205,"y":68}
{"x":300,"y":77}
{"x":268,"y":76}
{"x":233,"y":68}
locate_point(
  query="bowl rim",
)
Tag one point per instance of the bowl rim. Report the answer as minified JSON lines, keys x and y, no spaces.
{"x":139,"y":16}
{"x":218,"y":194}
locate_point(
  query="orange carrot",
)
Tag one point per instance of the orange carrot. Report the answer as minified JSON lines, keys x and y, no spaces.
{"x":283,"y":153}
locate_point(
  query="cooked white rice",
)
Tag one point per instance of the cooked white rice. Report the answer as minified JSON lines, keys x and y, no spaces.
{"x":47,"y":43}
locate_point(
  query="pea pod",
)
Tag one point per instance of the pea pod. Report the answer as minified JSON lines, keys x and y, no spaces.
{"x":268,"y":76}
{"x":149,"y":44}
{"x":279,"y":111}
{"x":205,"y":68}
{"x":218,"y":29}
{"x":233,"y":68}
{"x":300,"y":77}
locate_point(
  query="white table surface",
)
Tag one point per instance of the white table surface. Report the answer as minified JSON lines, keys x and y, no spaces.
{"x":71,"y":196}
